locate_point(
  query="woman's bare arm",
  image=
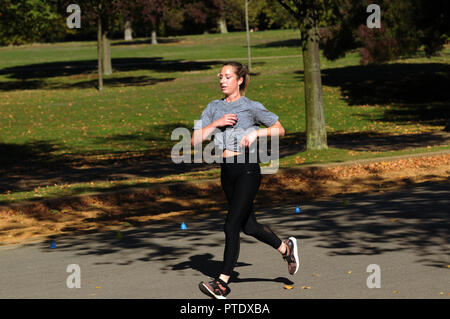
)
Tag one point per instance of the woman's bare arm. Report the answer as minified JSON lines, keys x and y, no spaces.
{"x":276,"y":129}
{"x":202,"y":134}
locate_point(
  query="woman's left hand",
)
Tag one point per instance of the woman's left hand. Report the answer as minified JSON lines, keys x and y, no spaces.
{"x":248,"y":139}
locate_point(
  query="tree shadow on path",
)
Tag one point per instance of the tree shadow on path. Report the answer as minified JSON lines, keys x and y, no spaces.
{"x":412,"y":220}
{"x":204,"y":264}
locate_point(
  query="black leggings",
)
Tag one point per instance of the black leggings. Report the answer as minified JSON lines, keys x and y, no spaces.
{"x":240,"y":182}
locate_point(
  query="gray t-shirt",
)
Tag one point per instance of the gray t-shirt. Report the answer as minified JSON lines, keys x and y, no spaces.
{"x":250,"y":115}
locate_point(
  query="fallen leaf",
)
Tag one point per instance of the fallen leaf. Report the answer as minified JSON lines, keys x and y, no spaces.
{"x":306,"y":287}
{"x":288,"y":287}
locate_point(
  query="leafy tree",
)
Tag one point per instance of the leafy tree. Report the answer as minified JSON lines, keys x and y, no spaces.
{"x":24,"y":21}
{"x":152,"y":12}
{"x":156,"y":15}
{"x":406,"y":27}
{"x":269,"y":14}
{"x":200,"y":15}
{"x":263,"y":15}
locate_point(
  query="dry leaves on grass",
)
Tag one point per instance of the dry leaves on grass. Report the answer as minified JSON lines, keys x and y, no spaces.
{"x":361,"y":170}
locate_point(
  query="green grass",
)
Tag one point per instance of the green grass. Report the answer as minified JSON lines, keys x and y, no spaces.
{"x":50,"y":111}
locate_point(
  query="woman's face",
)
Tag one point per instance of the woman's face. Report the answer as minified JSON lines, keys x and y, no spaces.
{"x":229,"y":83}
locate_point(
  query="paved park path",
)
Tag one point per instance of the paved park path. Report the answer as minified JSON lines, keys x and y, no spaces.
{"x":404,"y":232}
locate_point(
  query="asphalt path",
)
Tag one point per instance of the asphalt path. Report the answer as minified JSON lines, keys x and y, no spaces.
{"x":404,"y":233}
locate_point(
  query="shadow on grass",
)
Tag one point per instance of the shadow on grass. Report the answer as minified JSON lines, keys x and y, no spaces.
{"x":144,"y":42}
{"x":366,"y":141}
{"x":282,"y":43}
{"x":33,"y":169}
{"x":33,"y":76}
{"x":110,"y":82}
{"x":416,"y":92}
{"x":37,"y":164}
{"x":378,"y":142}
{"x":25,"y":167}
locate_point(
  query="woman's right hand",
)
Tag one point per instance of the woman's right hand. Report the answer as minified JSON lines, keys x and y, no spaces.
{"x":227,"y":120}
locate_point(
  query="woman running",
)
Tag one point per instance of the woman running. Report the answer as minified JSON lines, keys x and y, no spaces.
{"x":234,"y":120}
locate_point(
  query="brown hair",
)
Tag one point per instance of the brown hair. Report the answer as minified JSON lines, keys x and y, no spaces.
{"x":241,"y":71}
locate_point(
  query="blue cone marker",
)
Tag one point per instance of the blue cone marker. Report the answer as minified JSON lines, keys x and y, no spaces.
{"x":52,"y":244}
{"x":297,"y":210}
{"x":183,"y":225}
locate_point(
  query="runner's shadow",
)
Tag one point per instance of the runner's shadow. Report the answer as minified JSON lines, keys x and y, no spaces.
{"x":211,"y":268}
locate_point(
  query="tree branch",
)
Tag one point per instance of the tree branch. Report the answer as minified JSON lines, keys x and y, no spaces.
{"x":289,"y":9}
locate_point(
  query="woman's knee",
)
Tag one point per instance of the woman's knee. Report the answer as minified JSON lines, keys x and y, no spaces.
{"x":250,"y":229}
{"x":231,"y":228}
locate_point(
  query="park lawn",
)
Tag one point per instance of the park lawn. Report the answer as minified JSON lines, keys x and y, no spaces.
{"x":49,"y":104}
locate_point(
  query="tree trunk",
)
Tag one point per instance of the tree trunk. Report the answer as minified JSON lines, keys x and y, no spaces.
{"x":128,"y":34}
{"x":107,"y":66}
{"x":316,"y":135}
{"x":222,"y":24}
{"x":154,"y":38}
{"x":99,"y":54}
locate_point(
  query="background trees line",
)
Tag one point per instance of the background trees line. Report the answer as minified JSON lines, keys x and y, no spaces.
{"x":407,"y":25}
{"x":25,"y":21}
